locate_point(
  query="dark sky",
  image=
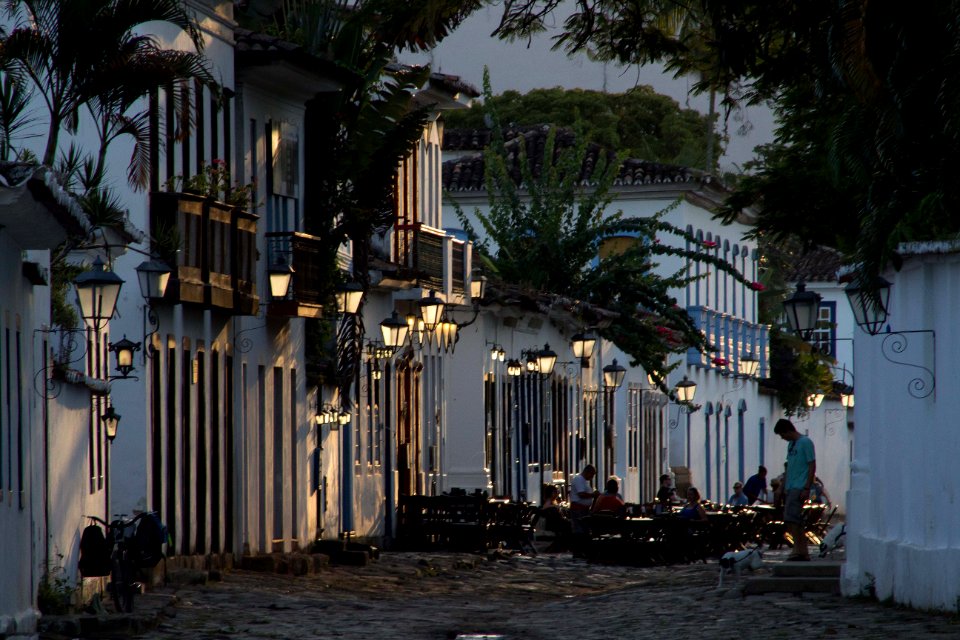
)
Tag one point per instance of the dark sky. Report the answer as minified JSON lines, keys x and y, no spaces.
{"x":517,"y":66}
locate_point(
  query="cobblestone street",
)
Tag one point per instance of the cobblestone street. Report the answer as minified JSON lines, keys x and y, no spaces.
{"x":440,"y":596}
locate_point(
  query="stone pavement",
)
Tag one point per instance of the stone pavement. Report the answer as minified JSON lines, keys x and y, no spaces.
{"x":443,"y":596}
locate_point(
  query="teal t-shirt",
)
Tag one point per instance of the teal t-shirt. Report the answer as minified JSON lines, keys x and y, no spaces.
{"x":799,"y":456}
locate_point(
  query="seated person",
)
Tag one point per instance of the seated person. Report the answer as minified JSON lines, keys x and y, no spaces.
{"x":818,"y":494}
{"x":756,"y":486}
{"x":555,"y":517}
{"x":739,"y":498}
{"x":693,"y":510}
{"x":666,"y":495}
{"x":610,"y":500}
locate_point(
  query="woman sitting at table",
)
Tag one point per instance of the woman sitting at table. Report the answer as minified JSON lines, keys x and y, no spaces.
{"x":555,"y":518}
{"x":610,"y":501}
{"x":693,"y":510}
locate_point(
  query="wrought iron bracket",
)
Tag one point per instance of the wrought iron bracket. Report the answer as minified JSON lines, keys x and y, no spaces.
{"x":925,"y":383}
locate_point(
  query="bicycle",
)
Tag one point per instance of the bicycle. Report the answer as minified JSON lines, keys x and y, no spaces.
{"x":123,"y":560}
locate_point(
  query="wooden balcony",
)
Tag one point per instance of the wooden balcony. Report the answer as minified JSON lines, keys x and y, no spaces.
{"x":215,"y":267}
{"x":420,"y":252}
{"x":302,"y":251}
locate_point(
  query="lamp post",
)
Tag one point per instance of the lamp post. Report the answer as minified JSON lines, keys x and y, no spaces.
{"x":613,"y":375}
{"x":546,"y":358}
{"x":153,"y":277}
{"x":111,"y":421}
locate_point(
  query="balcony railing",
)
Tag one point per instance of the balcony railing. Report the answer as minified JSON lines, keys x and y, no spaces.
{"x":216,"y":264}
{"x":731,"y":337}
{"x":302,"y":252}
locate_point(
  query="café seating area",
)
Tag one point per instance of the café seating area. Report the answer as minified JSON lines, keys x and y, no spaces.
{"x":474,"y":522}
{"x":464,"y":522}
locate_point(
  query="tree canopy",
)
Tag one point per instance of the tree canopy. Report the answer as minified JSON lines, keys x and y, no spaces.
{"x":639,"y":123}
{"x":521,"y":236}
{"x":868,"y":143}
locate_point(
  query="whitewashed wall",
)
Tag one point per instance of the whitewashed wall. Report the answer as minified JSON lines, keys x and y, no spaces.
{"x":903,"y":531}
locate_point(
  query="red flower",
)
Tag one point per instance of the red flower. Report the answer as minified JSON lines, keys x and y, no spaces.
{"x":756,"y":286}
{"x":720,"y":362}
{"x":663,"y":330}
{"x":709,"y":244}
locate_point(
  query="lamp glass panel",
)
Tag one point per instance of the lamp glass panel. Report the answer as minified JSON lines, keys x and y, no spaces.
{"x":279,"y":283}
{"x":546,"y":361}
{"x":686,"y":390}
{"x":431,"y":309}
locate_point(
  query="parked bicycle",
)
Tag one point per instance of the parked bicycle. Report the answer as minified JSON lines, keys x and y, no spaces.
{"x":124,"y":559}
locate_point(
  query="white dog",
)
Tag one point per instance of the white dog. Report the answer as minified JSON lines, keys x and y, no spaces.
{"x":833,"y":540}
{"x":736,"y":561}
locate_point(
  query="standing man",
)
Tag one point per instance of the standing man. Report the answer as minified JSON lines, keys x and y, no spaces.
{"x":581,"y":501}
{"x":756,"y":485}
{"x":581,"y":493}
{"x":801,"y":471}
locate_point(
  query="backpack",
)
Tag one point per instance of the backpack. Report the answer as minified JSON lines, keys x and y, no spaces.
{"x":149,"y":538}
{"x":94,"y":553}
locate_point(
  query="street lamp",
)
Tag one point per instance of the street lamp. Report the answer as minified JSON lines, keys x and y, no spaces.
{"x":97,"y":292}
{"x":546,"y":359}
{"x":111,"y":420}
{"x":583,"y":345}
{"x":870,"y":305}
{"x":394,"y":331}
{"x":846,"y":397}
{"x":478,"y":284}
{"x":531,"y":362}
{"x":686,"y":389}
{"x":431,"y":310}
{"x":748,"y":364}
{"x":349,"y":296}
{"x":124,"y":349}
{"x":153,"y":276}
{"x":815,"y":399}
{"x":280,"y":275}
{"x":613,"y":375}
{"x":514,"y":368}
{"x":803,"y":311}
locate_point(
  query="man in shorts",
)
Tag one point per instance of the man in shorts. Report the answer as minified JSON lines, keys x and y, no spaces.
{"x":801,"y":471}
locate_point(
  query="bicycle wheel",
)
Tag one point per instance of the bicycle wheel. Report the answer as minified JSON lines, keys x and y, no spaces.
{"x":121,"y":576}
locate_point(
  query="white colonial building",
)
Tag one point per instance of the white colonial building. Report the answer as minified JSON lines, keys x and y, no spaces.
{"x":903,"y":539}
{"x":731,"y":433}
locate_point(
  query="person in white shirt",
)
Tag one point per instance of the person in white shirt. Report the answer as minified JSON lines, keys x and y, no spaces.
{"x":582,"y":496}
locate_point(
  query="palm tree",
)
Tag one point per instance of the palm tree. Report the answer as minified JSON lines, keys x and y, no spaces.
{"x":87,"y":53}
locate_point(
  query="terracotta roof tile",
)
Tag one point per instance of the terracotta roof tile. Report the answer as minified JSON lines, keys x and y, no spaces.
{"x":817,"y":265}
